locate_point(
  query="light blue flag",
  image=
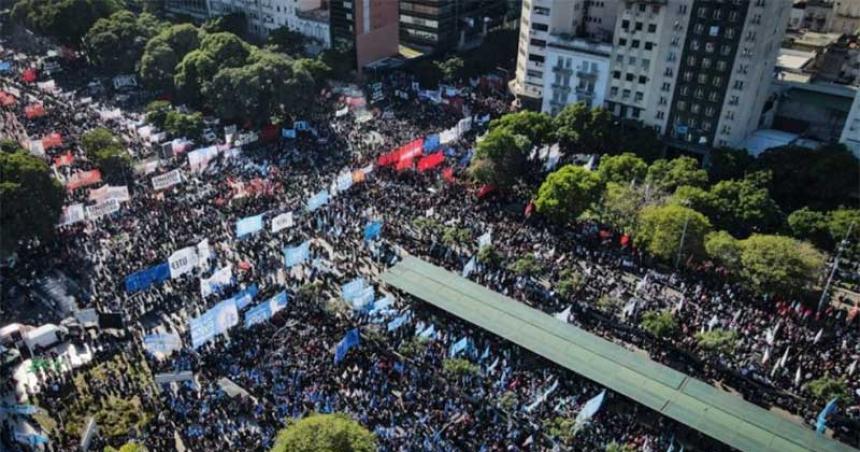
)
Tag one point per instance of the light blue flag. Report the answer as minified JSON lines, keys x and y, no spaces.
{"x":162,"y":343}
{"x":372,"y":230}
{"x":459,"y":347}
{"x":469,"y":267}
{"x":301,"y":125}
{"x":31,"y":439}
{"x":296,"y":255}
{"x":249,"y":225}
{"x":381,"y":305}
{"x":353,"y":289}
{"x":349,"y":341}
{"x":24,"y":410}
{"x":318,"y":200}
{"x":364,"y":300}
{"x":288,"y":133}
{"x":821,"y":422}
{"x":213,"y":322}
{"x":429,"y":333}
{"x":5,"y":66}
{"x":589,"y":409}
{"x":398,"y":322}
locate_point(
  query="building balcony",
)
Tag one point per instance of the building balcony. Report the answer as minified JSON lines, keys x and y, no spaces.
{"x":590,"y":75}
{"x":560,"y":87}
{"x":584,"y":93}
{"x":562,"y":70}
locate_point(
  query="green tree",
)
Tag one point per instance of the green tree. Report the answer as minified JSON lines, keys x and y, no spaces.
{"x":115,"y":43}
{"x":9,"y":145}
{"x":32,"y":201}
{"x":456,"y":367}
{"x":620,"y":447}
{"x":235,"y":23}
{"x":840,"y":222}
{"x":580,"y":129}
{"x":324,"y":433}
{"x":570,"y":281}
{"x":661,"y":324}
{"x":620,"y":205}
{"x":156,"y":112}
{"x":827,"y":388}
{"x":660,"y":230}
{"x":488,"y":254}
{"x":724,"y":249}
{"x":106,"y":152}
{"x":341,"y":59}
{"x":567,"y":192}
{"x":667,"y":175}
{"x":501,"y":158}
{"x":127,"y":447}
{"x":622,"y":169}
{"x":527,"y":265}
{"x":717,"y":340}
{"x":217,"y":51}
{"x":728,"y":163}
{"x":316,"y":68}
{"x":271,"y":84}
{"x":777,"y":264}
{"x":745,"y":206}
{"x":284,"y":40}
{"x":164,"y":52}
{"x":810,"y":225}
{"x":65,"y":20}
{"x":184,"y":125}
{"x":821,"y":179}
{"x":537,"y":127}
{"x":451,"y":68}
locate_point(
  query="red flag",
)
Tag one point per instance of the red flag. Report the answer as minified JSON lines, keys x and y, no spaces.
{"x":34,"y":111}
{"x":64,"y":160}
{"x":624,"y":240}
{"x":52,"y":140}
{"x":6,"y":99}
{"x":448,"y":175}
{"x":431,"y":161}
{"x":486,"y":190}
{"x":604,"y":234}
{"x":530,"y":209}
{"x":29,"y":75}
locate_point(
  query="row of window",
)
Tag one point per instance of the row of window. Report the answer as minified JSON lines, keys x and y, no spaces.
{"x":630,"y":77}
{"x":638,"y":26}
{"x":632,"y":60}
{"x":635,"y":43}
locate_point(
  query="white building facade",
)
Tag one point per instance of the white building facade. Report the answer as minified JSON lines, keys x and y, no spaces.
{"x":577,"y":70}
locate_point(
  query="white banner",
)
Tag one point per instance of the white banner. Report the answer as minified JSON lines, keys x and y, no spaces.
{"x":344,"y":181}
{"x":342,"y":112}
{"x":282,"y":221}
{"x":464,"y":125}
{"x":182,"y":261}
{"x":97,"y":211}
{"x":72,"y":214}
{"x":204,"y":251}
{"x":36,"y":148}
{"x":120,"y":193}
{"x":166,"y":180}
{"x":199,"y":159}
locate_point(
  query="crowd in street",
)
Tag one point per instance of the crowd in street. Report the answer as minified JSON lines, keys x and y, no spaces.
{"x":286,"y":364}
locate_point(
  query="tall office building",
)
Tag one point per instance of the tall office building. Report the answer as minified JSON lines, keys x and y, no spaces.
{"x":696,"y":70}
{"x":439,"y":25}
{"x":553,"y":29}
{"x":369,"y":28}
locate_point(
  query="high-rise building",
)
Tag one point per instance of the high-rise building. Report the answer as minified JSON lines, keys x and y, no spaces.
{"x":439,"y":25}
{"x":368,"y":28}
{"x":725,"y":70}
{"x":554,"y":29}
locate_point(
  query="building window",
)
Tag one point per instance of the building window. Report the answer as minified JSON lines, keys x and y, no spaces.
{"x":631,"y":60}
{"x":634,"y":44}
{"x":714,"y":31}
{"x":666,"y":87}
{"x":721,"y":65}
{"x":681,"y":105}
{"x":625,"y":94}
{"x":660,"y":115}
{"x":638,"y":26}
{"x":536,"y":58}
{"x":619,"y":59}
{"x":700,"y":93}
{"x":726,"y":130}
{"x":717,"y":81}
{"x":702,"y":79}
{"x":739,"y":84}
{"x":709,"y":112}
{"x":625,"y":24}
{"x":703,"y":12}
{"x":652,"y":28}
{"x":622,"y":42}
{"x":540,"y":27}
{"x":712,"y":96}
{"x":613,"y":91}
{"x":643,"y":80}
{"x":616,"y":74}
{"x":638,"y":97}
{"x":541,"y":11}
{"x":734,"y":100}
{"x":628,"y":77}
{"x":699,"y":29}
{"x":730,"y":33}
{"x":649,"y":45}
{"x":684,"y":91}
{"x":538,"y":43}
{"x":646,"y":63}
{"x":694,"y":45}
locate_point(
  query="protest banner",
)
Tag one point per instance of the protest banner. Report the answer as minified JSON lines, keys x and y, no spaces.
{"x":213,"y":322}
{"x":166,"y":180}
{"x":282,"y":221}
{"x":182,"y":261}
{"x":101,"y":209}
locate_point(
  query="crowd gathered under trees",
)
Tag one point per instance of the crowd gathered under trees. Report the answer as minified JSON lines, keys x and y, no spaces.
{"x":728,"y":260}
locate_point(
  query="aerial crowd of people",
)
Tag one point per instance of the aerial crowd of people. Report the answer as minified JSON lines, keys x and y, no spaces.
{"x":394,"y":382}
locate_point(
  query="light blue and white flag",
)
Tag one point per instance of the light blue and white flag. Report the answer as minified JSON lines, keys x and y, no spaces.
{"x":213,"y":322}
{"x":344,"y":181}
{"x":428,"y":333}
{"x":249,"y":225}
{"x":469,"y":267}
{"x":297,"y":254}
{"x":398,"y":322}
{"x":352,"y":289}
{"x":162,"y":343}
{"x":222,"y":278}
{"x":318,"y":200}
{"x":589,"y":410}
{"x":372,"y":230}
{"x":821,"y":421}
{"x":459,"y":347}
{"x":350,"y":340}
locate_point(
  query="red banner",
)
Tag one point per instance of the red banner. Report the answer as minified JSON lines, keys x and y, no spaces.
{"x":404,"y":164}
{"x":64,"y":160}
{"x":34,"y":111}
{"x":84,"y":178}
{"x":408,"y":152}
{"x":431,"y":161}
{"x":52,"y":140}
{"x":448,"y":174}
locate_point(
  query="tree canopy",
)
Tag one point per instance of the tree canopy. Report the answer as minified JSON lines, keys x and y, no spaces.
{"x":623,"y":169}
{"x":723,"y":249}
{"x":660,"y":229}
{"x":778,"y":264}
{"x":164,"y":51}
{"x":284,"y":40}
{"x":821,"y":179}
{"x":667,"y":175}
{"x":32,"y":200}
{"x":581,"y":129}
{"x":65,"y":20}
{"x":235,"y":23}
{"x":501,"y":158}
{"x":325,"y":433}
{"x":106,"y":152}
{"x":537,"y":127}
{"x":115,"y":43}
{"x":567,"y":192}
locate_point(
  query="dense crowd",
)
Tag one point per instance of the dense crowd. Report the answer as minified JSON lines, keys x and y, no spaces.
{"x":286,"y":365}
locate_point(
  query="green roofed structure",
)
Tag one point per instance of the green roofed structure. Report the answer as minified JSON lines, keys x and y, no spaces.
{"x":718,"y":414}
